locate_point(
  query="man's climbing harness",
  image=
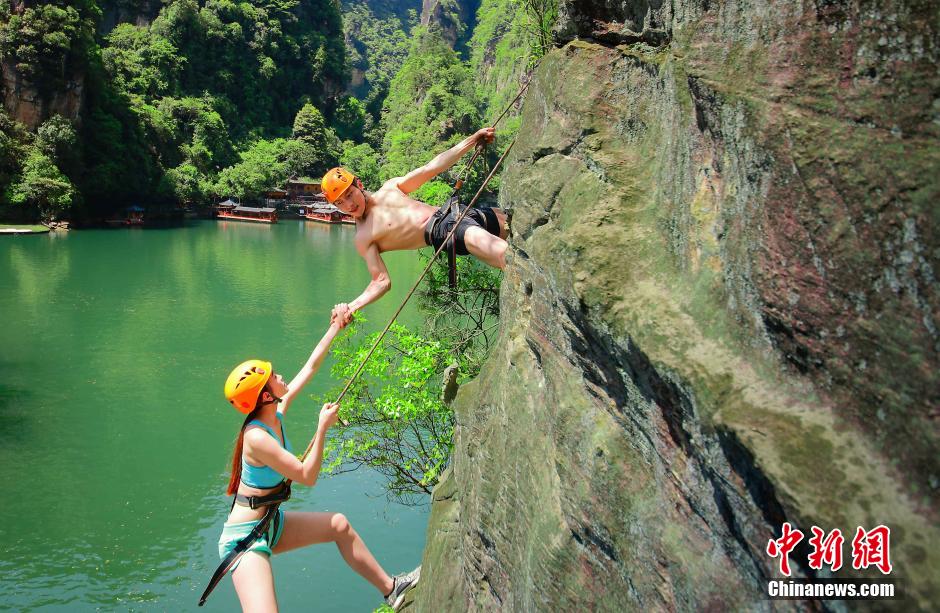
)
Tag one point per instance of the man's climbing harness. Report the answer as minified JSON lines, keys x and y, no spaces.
{"x":261,"y":528}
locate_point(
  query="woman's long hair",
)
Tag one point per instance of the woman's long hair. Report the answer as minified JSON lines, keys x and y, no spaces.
{"x":239,"y":442}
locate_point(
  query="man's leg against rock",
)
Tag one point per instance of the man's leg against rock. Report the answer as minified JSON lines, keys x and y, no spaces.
{"x":503,"y":223}
{"x":486,"y":247}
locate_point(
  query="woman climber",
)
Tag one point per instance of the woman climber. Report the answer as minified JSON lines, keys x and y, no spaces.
{"x":261,"y":464}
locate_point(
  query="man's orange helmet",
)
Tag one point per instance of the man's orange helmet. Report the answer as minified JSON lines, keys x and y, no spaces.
{"x":335,"y":182}
{"x":245,"y":383}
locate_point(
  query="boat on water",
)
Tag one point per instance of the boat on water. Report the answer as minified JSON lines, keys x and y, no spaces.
{"x":134,"y":217}
{"x":247,"y":213}
{"x":324,"y":212}
{"x":225,"y":205}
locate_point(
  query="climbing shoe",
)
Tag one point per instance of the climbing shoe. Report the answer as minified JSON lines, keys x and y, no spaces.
{"x":403,"y":583}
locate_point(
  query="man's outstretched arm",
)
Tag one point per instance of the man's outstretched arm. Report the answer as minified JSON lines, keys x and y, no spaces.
{"x":419,"y":176}
{"x":377,"y":287}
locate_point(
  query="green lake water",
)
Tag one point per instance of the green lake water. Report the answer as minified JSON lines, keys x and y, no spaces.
{"x":114,"y":435}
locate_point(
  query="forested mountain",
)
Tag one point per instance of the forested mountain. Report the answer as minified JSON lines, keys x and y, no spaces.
{"x":377,"y":34}
{"x":436,"y":94}
{"x":113,"y":102}
{"x":153,"y":112}
{"x":454,"y":19}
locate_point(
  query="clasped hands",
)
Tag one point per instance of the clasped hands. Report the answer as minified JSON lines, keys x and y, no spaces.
{"x":341,"y":315}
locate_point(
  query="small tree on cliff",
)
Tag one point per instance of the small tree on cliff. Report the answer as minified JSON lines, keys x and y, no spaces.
{"x":541,"y":16}
{"x":400,"y":423}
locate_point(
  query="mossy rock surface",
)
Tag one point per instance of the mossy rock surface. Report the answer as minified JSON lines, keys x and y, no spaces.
{"x":720,"y":313}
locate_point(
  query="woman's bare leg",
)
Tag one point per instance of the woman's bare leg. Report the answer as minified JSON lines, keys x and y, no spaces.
{"x":254,"y":583}
{"x":302,"y":529}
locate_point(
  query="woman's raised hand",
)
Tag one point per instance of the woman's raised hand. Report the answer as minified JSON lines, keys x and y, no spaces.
{"x":328,"y":415}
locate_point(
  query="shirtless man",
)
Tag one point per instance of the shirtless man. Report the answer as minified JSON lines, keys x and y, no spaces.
{"x":388,"y":220}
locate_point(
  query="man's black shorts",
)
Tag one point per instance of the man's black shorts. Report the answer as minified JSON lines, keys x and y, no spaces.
{"x":442,"y":221}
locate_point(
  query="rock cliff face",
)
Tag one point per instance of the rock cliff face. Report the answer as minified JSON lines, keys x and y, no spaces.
{"x":25,"y":102}
{"x":720,"y":313}
{"x":141,"y":13}
{"x":454,"y":18}
{"x":27,"y":105}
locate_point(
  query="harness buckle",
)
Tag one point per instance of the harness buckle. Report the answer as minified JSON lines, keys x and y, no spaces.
{"x":257,"y":502}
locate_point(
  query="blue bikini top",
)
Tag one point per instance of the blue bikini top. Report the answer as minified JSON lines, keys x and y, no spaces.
{"x":264,"y":477}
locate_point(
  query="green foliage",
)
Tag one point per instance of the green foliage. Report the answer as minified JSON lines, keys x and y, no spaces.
{"x":50,"y":41}
{"x":309,"y":125}
{"x":430,"y":106}
{"x":468,"y":316}
{"x":167,"y":106}
{"x":264,"y":165}
{"x":142,"y":62}
{"x":55,"y":138}
{"x":119,"y":166}
{"x":540,"y":18}
{"x":189,"y":130}
{"x":363,"y":161}
{"x":378,"y":44}
{"x":398,"y":424}
{"x":13,"y":142}
{"x":322,"y":147}
{"x":186,"y":184}
{"x":434,"y":192}
{"x":33,"y":184}
{"x":501,"y":51}
{"x":266,"y":58}
{"x":43,"y":186}
{"x":350,"y":118}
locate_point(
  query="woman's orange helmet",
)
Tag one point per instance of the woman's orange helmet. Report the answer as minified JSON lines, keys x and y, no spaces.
{"x":335,"y":182}
{"x":245,"y":383}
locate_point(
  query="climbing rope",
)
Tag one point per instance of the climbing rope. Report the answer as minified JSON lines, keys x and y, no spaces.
{"x":261,"y":527}
{"x":480,"y":148}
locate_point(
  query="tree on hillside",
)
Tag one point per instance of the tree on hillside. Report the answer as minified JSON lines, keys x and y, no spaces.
{"x":264,"y":58}
{"x":351,"y":118}
{"x":43,"y":186}
{"x":400,"y":420}
{"x":56,"y":139}
{"x":13,"y":142}
{"x":49,"y":42}
{"x":141,"y":62}
{"x":377,"y":40}
{"x":322,"y":146}
{"x":263,"y":166}
{"x":362,"y":160}
{"x":309,"y":125}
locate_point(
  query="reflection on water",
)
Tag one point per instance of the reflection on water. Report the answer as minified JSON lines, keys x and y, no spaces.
{"x":114,"y":437}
